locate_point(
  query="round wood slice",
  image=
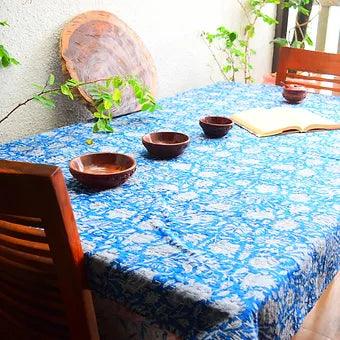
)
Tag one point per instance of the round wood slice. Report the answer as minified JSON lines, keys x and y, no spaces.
{"x":97,"y":45}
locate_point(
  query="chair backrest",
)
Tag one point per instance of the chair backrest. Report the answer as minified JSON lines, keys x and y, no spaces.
{"x":43,"y":292}
{"x":317,"y":71}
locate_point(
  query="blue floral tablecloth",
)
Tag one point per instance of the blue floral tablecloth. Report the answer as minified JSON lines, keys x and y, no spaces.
{"x":235,"y":239}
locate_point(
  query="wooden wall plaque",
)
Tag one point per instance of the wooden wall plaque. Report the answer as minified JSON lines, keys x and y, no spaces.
{"x":96,"y":45}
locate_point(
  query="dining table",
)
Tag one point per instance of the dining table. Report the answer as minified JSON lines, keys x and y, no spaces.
{"x":237,"y":238}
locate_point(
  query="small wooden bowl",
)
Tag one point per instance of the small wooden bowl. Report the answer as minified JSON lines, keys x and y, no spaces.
{"x":102,"y":170}
{"x":216,"y":127}
{"x":293,"y":93}
{"x":165,"y":145}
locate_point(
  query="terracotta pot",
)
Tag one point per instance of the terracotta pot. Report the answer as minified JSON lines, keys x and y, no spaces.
{"x":269,"y":78}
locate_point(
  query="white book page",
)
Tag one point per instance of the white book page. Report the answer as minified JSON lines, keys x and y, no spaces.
{"x":270,"y":121}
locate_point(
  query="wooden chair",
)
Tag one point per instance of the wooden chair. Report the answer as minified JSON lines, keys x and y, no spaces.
{"x":317,"y":71}
{"x":43,"y":292}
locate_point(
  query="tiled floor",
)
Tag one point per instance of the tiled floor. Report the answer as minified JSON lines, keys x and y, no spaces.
{"x":323,"y":322}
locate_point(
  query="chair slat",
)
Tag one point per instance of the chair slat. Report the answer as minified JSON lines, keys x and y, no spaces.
{"x":12,"y":328}
{"x":39,"y":262}
{"x":28,"y":233}
{"x":311,"y":63}
{"x":36,"y":328}
{"x":24,"y":271}
{"x":32,"y":286}
{"x":53,"y":306}
{"x":31,"y":310}
{"x":27,"y":221}
{"x":313,"y":86}
{"x":43,"y":290}
{"x":313,"y":77}
{"x":35,"y":248}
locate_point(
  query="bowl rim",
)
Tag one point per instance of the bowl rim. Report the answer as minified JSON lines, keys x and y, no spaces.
{"x":167,"y":144}
{"x":132,"y":167}
{"x":216,"y":124}
{"x":294,"y":88}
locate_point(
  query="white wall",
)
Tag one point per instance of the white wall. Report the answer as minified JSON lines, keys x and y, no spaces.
{"x":170,"y":30}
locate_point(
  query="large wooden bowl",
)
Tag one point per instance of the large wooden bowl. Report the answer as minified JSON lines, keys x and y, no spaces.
{"x":97,"y":45}
{"x":165,"y":145}
{"x":102,"y":170}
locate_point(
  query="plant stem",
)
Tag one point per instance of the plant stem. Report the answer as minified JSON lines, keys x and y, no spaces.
{"x":43,"y":92}
{"x":252,"y":22}
{"x":15,"y":108}
{"x":216,"y":60}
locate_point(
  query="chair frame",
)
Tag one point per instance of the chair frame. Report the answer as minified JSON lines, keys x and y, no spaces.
{"x":32,"y":192}
{"x":315,"y":62}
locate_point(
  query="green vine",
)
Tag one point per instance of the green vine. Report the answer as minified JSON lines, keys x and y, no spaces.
{"x":235,"y":47}
{"x":106,"y":93}
{"x":5,"y":58}
{"x":298,"y":36}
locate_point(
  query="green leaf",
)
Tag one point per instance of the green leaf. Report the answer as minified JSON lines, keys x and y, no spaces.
{"x":281,"y":42}
{"x":65,"y":90}
{"x":100,"y":108}
{"x":232,"y":36}
{"x":72,"y":83}
{"x":108,"y":128}
{"x":147,"y":106}
{"x":297,"y":44}
{"x":51,"y":79}
{"x":237,"y":52}
{"x":97,"y":115}
{"x":107,"y":104}
{"x":117,"y":95}
{"x":4,"y":23}
{"x":5,"y":58}
{"x":309,"y":40}
{"x":5,"y":61}
{"x":117,"y":81}
{"x":14,"y":61}
{"x":95,"y":127}
{"x":242,"y":43}
{"x":45,"y":101}
{"x":250,"y":31}
{"x":227,"y":68}
{"x":303,"y":10}
{"x":37,"y":86}
{"x":108,"y":82}
{"x":102,"y":125}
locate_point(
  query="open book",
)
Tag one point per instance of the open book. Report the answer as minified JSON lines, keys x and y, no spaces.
{"x":268,"y":122}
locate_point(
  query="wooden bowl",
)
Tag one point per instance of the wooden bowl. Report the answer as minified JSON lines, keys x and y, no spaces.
{"x":216,"y":127}
{"x":102,"y":170}
{"x":165,"y":145}
{"x":293,"y":93}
